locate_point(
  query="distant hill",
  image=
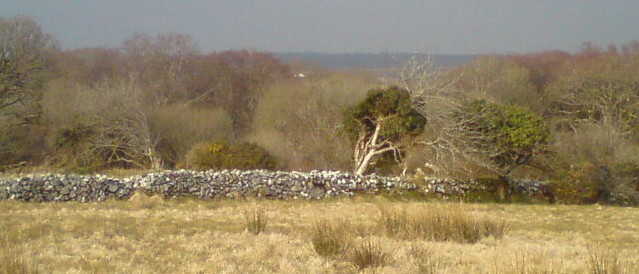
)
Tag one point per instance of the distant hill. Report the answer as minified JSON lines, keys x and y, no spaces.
{"x":368,"y":60}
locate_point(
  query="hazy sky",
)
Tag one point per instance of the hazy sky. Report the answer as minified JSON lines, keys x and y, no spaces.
{"x":442,"y":26}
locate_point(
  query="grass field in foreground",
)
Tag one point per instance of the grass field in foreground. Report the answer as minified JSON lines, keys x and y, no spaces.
{"x":150,"y":235}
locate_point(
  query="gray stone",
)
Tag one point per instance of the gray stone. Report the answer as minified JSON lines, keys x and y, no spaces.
{"x":65,"y":191}
{"x":316,"y":193}
{"x":113,"y":188}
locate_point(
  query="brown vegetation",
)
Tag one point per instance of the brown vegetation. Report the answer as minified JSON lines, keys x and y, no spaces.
{"x":570,"y":119}
{"x":150,"y":235}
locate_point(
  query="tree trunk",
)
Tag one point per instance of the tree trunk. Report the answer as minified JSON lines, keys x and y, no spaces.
{"x":363,"y":165}
{"x":156,"y":161}
{"x":503,"y":188}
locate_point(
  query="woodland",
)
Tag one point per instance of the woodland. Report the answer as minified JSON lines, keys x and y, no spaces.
{"x":159,"y":102}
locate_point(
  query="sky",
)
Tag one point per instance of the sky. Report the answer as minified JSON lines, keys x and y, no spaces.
{"x":342,"y":26}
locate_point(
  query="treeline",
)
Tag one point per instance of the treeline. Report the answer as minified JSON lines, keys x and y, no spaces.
{"x":156,"y":101}
{"x":159,"y":102}
{"x":571,"y":119}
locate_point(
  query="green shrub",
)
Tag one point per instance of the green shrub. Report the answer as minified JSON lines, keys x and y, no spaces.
{"x":511,"y":135}
{"x":223,"y":156}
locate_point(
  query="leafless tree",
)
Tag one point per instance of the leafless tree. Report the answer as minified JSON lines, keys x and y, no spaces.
{"x":606,"y":101}
{"x":24,"y":51}
{"x":122,"y":126}
{"x":160,"y":65}
{"x":437,"y":96}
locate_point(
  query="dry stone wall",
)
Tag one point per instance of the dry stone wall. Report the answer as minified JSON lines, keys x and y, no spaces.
{"x":200,"y":184}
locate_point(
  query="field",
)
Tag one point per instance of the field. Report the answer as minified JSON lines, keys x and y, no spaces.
{"x":368,"y":234}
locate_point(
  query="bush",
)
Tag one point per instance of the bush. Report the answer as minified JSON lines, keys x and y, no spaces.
{"x":182,"y":127}
{"x":597,"y":164}
{"x":511,"y":135}
{"x":223,"y":156}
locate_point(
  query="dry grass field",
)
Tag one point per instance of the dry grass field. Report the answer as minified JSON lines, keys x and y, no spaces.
{"x":369,"y":234}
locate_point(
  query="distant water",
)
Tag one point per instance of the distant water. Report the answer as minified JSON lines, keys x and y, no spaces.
{"x":369,"y":60}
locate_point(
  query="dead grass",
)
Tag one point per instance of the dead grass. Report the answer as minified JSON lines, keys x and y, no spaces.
{"x":442,"y":224}
{"x":255,"y":221}
{"x":14,"y":265}
{"x":330,"y":239}
{"x":152,"y":235}
{"x":604,"y":260}
{"x":370,"y":253}
{"x":10,"y":260}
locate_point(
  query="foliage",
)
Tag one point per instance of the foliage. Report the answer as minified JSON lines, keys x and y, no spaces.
{"x":180,"y":128}
{"x":380,"y":123}
{"x":593,"y":182}
{"x":509,"y":135}
{"x":224,"y":156}
{"x":71,"y":144}
{"x":148,"y":102}
{"x":390,"y":107}
{"x":597,"y":163}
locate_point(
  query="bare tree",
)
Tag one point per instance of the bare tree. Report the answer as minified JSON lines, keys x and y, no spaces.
{"x":478,"y":134}
{"x":24,"y":52}
{"x":160,"y":65}
{"x":436,"y":96}
{"x":118,"y":126}
{"x":606,"y":101}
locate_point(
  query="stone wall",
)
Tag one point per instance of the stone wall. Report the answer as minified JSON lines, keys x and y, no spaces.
{"x":200,"y":184}
{"x":446,"y":187}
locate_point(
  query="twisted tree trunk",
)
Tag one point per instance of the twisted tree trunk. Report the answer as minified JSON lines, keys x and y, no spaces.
{"x":367,"y":148}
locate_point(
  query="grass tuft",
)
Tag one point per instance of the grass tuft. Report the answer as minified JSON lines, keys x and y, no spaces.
{"x":602,"y":260}
{"x":443,"y":225}
{"x":527,"y":263}
{"x":10,"y":264}
{"x":370,"y":254}
{"x":329,"y":239}
{"x":427,"y":262}
{"x":255,"y":221}
{"x":140,"y":200}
